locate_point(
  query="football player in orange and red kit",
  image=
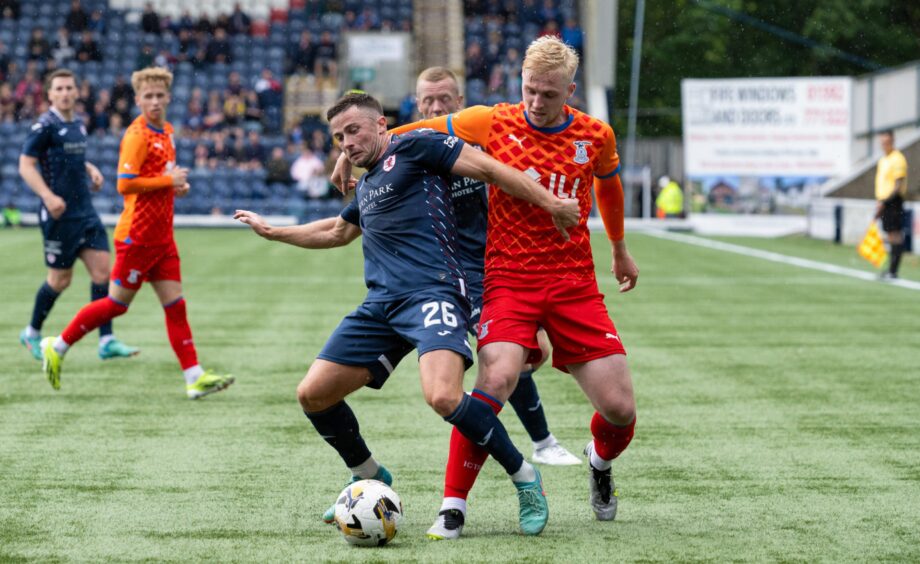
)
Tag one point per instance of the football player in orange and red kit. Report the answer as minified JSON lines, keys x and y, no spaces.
{"x":145,"y":249}
{"x":535,"y":279}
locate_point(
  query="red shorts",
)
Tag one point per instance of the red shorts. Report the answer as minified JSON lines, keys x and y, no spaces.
{"x":571,"y":311}
{"x":135,"y":264}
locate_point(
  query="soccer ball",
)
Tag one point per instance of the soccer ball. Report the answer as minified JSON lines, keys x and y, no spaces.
{"x":368,"y":512}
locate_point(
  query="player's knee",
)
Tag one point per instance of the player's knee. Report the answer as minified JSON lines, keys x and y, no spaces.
{"x":443,"y":402}
{"x":619,"y":411}
{"x":59,"y":281}
{"x":309,"y":399}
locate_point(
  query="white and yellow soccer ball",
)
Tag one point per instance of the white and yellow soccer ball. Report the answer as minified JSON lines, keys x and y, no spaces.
{"x":368,"y":512}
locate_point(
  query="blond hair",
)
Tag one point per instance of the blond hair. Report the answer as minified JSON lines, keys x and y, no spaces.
{"x":550,"y":54}
{"x":151,"y":74}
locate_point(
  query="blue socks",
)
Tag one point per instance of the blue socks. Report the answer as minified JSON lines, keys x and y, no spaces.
{"x":339,"y":427}
{"x":478,"y":423}
{"x":526,"y":402}
{"x":44,"y":301}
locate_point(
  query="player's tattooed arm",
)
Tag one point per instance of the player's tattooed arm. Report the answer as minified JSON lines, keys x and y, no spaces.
{"x":321,"y":234}
{"x":476,"y":164}
{"x":28,"y":170}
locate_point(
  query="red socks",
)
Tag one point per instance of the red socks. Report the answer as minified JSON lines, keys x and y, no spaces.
{"x":180,"y":334}
{"x":610,"y":440}
{"x":466,"y":458}
{"x":92,"y":316}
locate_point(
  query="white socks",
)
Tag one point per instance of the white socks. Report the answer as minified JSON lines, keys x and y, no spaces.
{"x":548,"y":441}
{"x":596,"y":461}
{"x":32,"y":332}
{"x":525,"y":473}
{"x":454,"y":503}
{"x":366,"y":470}
{"x":192,"y":373}
{"x":60,"y":346}
{"x":104,"y":340}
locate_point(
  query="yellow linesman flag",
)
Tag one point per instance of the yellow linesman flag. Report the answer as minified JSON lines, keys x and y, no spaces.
{"x":872,"y":248}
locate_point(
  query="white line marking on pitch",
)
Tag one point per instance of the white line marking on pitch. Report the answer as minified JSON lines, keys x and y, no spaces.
{"x":783,"y":259}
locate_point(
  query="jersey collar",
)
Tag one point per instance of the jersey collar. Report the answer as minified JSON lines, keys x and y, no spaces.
{"x":556,"y":129}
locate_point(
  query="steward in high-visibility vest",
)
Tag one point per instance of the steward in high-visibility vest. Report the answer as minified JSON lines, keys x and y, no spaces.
{"x":670,"y":201}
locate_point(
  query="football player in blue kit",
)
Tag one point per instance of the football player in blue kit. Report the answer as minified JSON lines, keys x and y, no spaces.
{"x":53,"y":164}
{"x":417,"y":290}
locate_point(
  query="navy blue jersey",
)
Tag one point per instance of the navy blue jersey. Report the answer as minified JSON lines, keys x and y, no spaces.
{"x":60,"y":147}
{"x":404,"y":209}
{"x":471,"y":208}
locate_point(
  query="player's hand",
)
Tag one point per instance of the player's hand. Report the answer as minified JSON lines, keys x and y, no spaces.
{"x":182,"y":191}
{"x":254,"y":221}
{"x":624,"y":268}
{"x":55,"y":205}
{"x":179,"y":176}
{"x":566,"y":214}
{"x":341,"y":175}
{"x":95,"y":177}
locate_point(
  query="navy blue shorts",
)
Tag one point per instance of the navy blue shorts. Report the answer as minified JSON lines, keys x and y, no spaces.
{"x":474,"y":292}
{"x":378,"y":335}
{"x":64,"y":239}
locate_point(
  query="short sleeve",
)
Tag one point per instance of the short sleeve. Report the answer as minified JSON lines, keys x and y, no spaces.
{"x":132,"y":155}
{"x":435,"y":150}
{"x":608,"y":163}
{"x":351,"y":213}
{"x":899,"y":166}
{"x":473,"y":124}
{"x":37,"y":141}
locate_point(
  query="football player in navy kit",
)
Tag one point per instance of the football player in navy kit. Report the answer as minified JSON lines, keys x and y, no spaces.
{"x":416,"y":288}
{"x":53,"y":164}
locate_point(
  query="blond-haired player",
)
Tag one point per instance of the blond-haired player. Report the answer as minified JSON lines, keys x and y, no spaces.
{"x":145,"y":249}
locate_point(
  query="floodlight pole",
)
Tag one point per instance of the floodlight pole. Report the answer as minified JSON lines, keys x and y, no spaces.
{"x":634,"y":103}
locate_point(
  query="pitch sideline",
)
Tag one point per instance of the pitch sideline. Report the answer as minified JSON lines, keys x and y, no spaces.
{"x":780,"y":258}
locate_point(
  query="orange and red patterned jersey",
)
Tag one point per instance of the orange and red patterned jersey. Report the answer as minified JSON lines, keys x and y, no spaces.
{"x":565,"y":159}
{"x":146,"y":152}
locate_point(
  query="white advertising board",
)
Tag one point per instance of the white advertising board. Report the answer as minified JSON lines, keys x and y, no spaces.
{"x":767,"y":126}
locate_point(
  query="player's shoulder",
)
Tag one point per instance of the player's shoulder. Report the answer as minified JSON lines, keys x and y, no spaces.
{"x":417,"y":139}
{"x":47,"y":119}
{"x":591,"y":123}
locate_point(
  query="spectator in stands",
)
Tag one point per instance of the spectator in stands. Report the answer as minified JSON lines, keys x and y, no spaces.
{"x":277,"y":169}
{"x":204,"y":27}
{"x":150,"y":20}
{"x":302,"y":59}
{"x":193,"y":125}
{"x":550,"y":28}
{"x":122,"y":90}
{"x":200,"y":57}
{"x":214,"y":116}
{"x":97,"y":23}
{"x":239,"y":21}
{"x":234,"y":83}
{"x":87,"y":94}
{"x":165,"y":59}
{"x":9,"y":9}
{"x":511,"y":74}
{"x":549,"y":13}
{"x":238,"y":152}
{"x":218,"y":50}
{"x":220,"y":153}
{"x":77,"y":19}
{"x":4,"y":62}
{"x":38,"y":49}
{"x":99,"y":119}
{"x":116,"y":126}
{"x":493,"y":52}
{"x":63,"y":50}
{"x":89,"y":50}
{"x":145,"y":57}
{"x":254,"y":157}
{"x":201,"y":157}
{"x":476,"y":65}
{"x":29,"y":88}
{"x":122,"y":109}
{"x":7,"y":103}
{"x":254,"y":114}
{"x":367,"y":20}
{"x":309,"y":172}
{"x":185,"y":21}
{"x":188,"y":45}
{"x":530,"y":13}
{"x":27,"y":110}
{"x":326,"y":65}
{"x":572,"y":34}
{"x":320,"y":143}
{"x":234,"y":110}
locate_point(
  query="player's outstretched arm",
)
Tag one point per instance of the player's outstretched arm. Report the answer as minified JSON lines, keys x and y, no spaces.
{"x":132,"y":184}
{"x":321,"y":234}
{"x":609,"y":192}
{"x":476,"y":164}
{"x":28,"y":170}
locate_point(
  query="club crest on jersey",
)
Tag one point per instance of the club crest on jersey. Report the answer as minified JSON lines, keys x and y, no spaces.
{"x":581,"y":151}
{"x":389,"y":163}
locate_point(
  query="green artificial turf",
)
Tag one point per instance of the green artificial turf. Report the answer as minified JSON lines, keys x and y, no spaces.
{"x":778,"y":417}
